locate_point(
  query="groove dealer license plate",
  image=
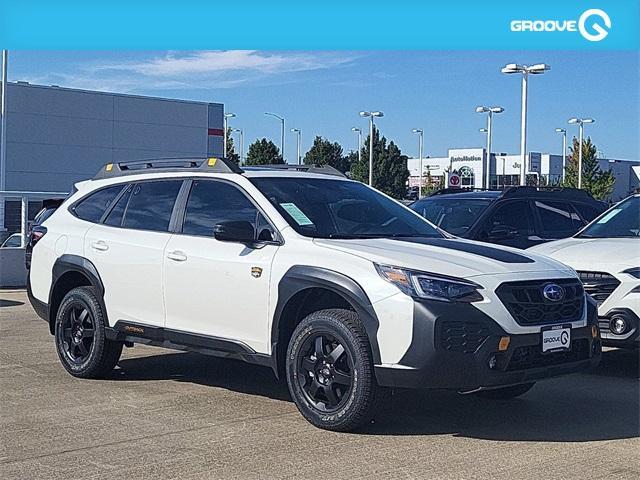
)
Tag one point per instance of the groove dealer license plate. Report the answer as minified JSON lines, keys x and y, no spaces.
{"x":556,"y":338}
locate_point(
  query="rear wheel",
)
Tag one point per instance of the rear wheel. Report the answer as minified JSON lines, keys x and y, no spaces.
{"x":330,"y":371}
{"x":82,"y":346}
{"x":506,"y":393}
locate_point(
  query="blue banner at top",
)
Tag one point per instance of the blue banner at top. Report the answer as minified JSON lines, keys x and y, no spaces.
{"x":327,"y":24}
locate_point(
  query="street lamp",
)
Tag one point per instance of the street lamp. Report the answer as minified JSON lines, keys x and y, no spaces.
{"x":420,"y":133}
{"x":241,"y":132}
{"x":297,"y":130}
{"x":281,"y":132}
{"x":226,"y":118}
{"x":524,"y":70}
{"x":580,"y":122}
{"x":356,"y":129}
{"x":489,"y":111}
{"x":371,"y":115}
{"x":564,"y":149}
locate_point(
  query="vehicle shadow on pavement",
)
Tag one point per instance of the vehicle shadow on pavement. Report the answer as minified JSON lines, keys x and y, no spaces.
{"x":10,"y":303}
{"x":602,"y":405}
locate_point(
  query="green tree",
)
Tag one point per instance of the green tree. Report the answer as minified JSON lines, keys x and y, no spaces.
{"x":231,"y":149}
{"x":390,"y":173}
{"x":323,"y":152}
{"x":596,"y":181}
{"x":263,"y":152}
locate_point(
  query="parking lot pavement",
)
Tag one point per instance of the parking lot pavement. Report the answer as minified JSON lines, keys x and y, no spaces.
{"x":165,"y":414}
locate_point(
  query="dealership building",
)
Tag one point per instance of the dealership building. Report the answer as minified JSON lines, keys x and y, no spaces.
{"x":58,"y":136}
{"x":470,"y":165}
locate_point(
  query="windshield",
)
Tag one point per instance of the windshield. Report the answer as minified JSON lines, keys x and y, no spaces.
{"x":623,"y":220}
{"x":328,"y":208}
{"x":452,"y":215}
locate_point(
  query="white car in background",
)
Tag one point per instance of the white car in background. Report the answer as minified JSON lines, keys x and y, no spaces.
{"x":606,"y":255}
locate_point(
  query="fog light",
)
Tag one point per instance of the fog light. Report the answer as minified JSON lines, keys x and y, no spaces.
{"x":618,"y":324}
{"x":492,"y":362}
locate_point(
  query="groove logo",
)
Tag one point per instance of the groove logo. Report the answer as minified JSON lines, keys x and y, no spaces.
{"x":594,"y":25}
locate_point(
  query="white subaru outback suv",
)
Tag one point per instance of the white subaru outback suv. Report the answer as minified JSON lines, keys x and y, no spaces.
{"x":606,"y":255}
{"x":330,"y":283}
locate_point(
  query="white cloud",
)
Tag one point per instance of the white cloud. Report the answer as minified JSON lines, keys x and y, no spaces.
{"x":200,"y":69}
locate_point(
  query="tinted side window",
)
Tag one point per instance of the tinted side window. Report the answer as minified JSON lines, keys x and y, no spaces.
{"x":117,"y":212}
{"x":93,"y":207}
{"x":513,"y":215}
{"x":587,"y":212}
{"x":557,"y":217}
{"x":212,"y":202}
{"x":151,"y":204}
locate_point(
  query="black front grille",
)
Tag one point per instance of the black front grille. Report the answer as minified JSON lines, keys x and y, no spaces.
{"x":528,"y":306}
{"x":462,"y":337}
{"x":532,"y":357}
{"x":599,"y":285}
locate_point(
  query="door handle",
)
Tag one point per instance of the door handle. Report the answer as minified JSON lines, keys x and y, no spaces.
{"x":177,"y":256}
{"x":100,"y":246}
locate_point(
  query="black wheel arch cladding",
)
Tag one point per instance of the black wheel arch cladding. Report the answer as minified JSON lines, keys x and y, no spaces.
{"x":74,"y":264}
{"x":303,"y":277}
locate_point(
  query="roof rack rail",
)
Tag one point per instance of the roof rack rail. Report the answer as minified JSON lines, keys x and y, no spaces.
{"x":319,"y":169}
{"x":516,"y":191}
{"x":211,"y":165}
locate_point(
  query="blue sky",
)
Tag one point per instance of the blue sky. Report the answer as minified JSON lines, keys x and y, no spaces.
{"x":322,"y":92}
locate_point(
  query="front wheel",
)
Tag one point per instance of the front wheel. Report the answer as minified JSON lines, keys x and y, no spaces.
{"x":82,"y":346}
{"x":506,"y":393}
{"x":330,"y":371}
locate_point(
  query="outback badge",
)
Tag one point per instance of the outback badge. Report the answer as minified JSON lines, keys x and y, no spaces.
{"x":256,"y":272}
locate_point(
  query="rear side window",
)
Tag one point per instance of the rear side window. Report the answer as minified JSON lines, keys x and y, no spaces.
{"x":514,"y":216}
{"x":587,"y":212}
{"x":93,"y":207}
{"x":117,"y":212}
{"x":150,"y":205}
{"x":212,"y":202}
{"x":557,"y":217}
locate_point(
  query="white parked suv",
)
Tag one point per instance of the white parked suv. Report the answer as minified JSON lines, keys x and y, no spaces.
{"x":606,"y":254}
{"x":333,"y":285}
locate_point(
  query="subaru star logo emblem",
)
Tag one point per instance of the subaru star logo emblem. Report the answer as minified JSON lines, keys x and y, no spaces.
{"x":553,"y":292}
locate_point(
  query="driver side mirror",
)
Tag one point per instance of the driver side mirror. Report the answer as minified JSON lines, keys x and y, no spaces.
{"x":502,"y":232}
{"x":239,"y":231}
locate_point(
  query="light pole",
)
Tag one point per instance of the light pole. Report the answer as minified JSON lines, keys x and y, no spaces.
{"x":564,"y":150}
{"x":3,"y":133}
{"x":489,"y":111}
{"x":524,"y":70}
{"x":281,"y":132}
{"x":580,"y":122}
{"x":371,"y":115}
{"x":297,"y":130}
{"x":241,"y":132}
{"x":356,"y":129}
{"x":226,"y":118}
{"x":420,"y":133}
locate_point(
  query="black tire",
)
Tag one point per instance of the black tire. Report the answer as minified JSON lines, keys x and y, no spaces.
{"x":317,"y":372}
{"x":506,"y":393}
{"x":82,"y":346}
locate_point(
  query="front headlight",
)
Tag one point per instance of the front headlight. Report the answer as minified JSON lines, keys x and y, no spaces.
{"x":429,"y":286}
{"x":633,"y":271}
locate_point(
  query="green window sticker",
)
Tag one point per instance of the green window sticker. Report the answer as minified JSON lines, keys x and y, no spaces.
{"x":297,"y":214}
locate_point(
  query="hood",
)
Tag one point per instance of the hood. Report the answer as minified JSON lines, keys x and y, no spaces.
{"x":453,"y":257}
{"x":608,"y":254}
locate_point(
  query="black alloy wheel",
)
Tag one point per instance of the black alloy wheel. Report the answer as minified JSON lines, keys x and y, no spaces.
{"x":80,"y":335}
{"x":325,"y":372}
{"x":78,"y":330}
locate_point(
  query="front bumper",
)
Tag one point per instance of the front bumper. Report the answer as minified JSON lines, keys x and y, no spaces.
{"x":452,"y":346}
{"x":630,"y":338}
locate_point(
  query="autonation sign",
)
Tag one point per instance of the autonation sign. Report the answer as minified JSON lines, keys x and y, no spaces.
{"x":593,"y":24}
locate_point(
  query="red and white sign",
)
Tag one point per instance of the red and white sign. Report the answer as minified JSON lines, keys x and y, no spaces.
{"x":454,"y":180}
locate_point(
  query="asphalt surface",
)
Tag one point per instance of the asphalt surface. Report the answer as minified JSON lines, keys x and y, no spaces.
{"x":165,"y":414}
